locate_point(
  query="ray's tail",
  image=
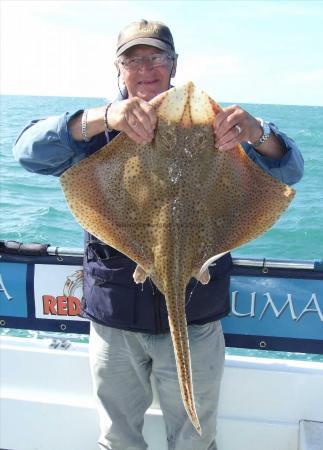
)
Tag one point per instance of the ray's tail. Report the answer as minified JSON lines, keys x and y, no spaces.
{"x":178,"y":328}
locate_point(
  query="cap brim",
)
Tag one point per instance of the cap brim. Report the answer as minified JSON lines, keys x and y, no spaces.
{"x":144,"y":41}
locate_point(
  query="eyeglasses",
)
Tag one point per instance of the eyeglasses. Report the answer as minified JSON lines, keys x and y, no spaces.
{"x":137,"y":62}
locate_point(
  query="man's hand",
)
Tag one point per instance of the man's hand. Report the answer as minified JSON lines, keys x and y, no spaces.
{"x":135,"y":117}
{"x":234,"y":125}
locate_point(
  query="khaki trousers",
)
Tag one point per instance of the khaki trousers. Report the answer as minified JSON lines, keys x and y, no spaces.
{"x":122,"y":363}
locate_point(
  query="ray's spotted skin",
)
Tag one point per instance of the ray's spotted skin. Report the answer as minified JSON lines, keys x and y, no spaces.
{"x":173,"y":204}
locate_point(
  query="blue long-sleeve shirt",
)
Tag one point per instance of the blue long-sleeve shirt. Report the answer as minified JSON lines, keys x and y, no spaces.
{"x":47,"y":147}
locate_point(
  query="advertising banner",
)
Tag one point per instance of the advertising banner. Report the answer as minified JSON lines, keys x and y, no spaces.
{"x":279,"y":310}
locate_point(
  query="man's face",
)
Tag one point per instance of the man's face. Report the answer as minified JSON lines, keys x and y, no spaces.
{"x":146,"y":81}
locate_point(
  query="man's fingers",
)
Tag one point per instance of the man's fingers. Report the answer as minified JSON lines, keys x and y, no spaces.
{"x":222,"y":116}
{"x":235,"y":135}
{"x":227,"y":120}
{"x":143,"y":123}
{"x":228,"y":145}
{"x":133,"y":135}
{"x":141,"y":118}
{"x":136,"y":117}
{"x":234,"y":125}
{"x":150,"y":113}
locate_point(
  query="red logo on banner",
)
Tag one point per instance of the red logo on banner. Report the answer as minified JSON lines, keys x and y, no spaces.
{"x":61,"y":306}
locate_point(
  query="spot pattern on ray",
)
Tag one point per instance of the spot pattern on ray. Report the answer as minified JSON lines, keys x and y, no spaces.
{"x":174,"y":203}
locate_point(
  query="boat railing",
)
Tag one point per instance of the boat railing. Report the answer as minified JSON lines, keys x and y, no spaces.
{"x":276,"y":304}
{"x":305,"y":264}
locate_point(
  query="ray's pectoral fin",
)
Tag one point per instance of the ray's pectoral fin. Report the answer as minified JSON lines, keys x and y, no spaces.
{"x":139,"y":275}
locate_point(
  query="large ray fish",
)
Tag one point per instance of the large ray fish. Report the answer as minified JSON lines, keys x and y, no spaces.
{"x":175,"y":203}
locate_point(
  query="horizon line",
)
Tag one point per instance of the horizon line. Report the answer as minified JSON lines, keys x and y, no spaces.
{"x":104,"y":97}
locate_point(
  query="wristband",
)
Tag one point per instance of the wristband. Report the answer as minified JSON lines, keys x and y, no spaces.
{"x":106,"y":118}
{"x":84,"y":126}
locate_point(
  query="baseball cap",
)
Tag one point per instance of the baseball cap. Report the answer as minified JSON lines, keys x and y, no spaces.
{"x":144,"y":32}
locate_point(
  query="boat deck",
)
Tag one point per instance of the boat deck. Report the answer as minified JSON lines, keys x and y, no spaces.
{"x":46,"y":391}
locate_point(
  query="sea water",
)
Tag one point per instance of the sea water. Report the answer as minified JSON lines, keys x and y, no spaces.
{"x":33,"y":208}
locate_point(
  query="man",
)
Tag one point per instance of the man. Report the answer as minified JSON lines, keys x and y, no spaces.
{"x":129,"y":337}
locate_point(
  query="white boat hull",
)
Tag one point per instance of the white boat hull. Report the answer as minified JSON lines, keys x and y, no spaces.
{"x":47,"y":402}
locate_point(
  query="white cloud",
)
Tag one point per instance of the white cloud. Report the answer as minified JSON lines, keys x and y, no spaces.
{"x":67,"y":48}
{"x":218,"y":65}
{"x":315,"y":75}
{"x":291,"y":8}
{"x":42,"y":58}
{"x":62,"y":48}
{"x":215,"y":74}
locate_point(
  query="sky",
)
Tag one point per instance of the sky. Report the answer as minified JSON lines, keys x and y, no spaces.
{"x":237,"y":51}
